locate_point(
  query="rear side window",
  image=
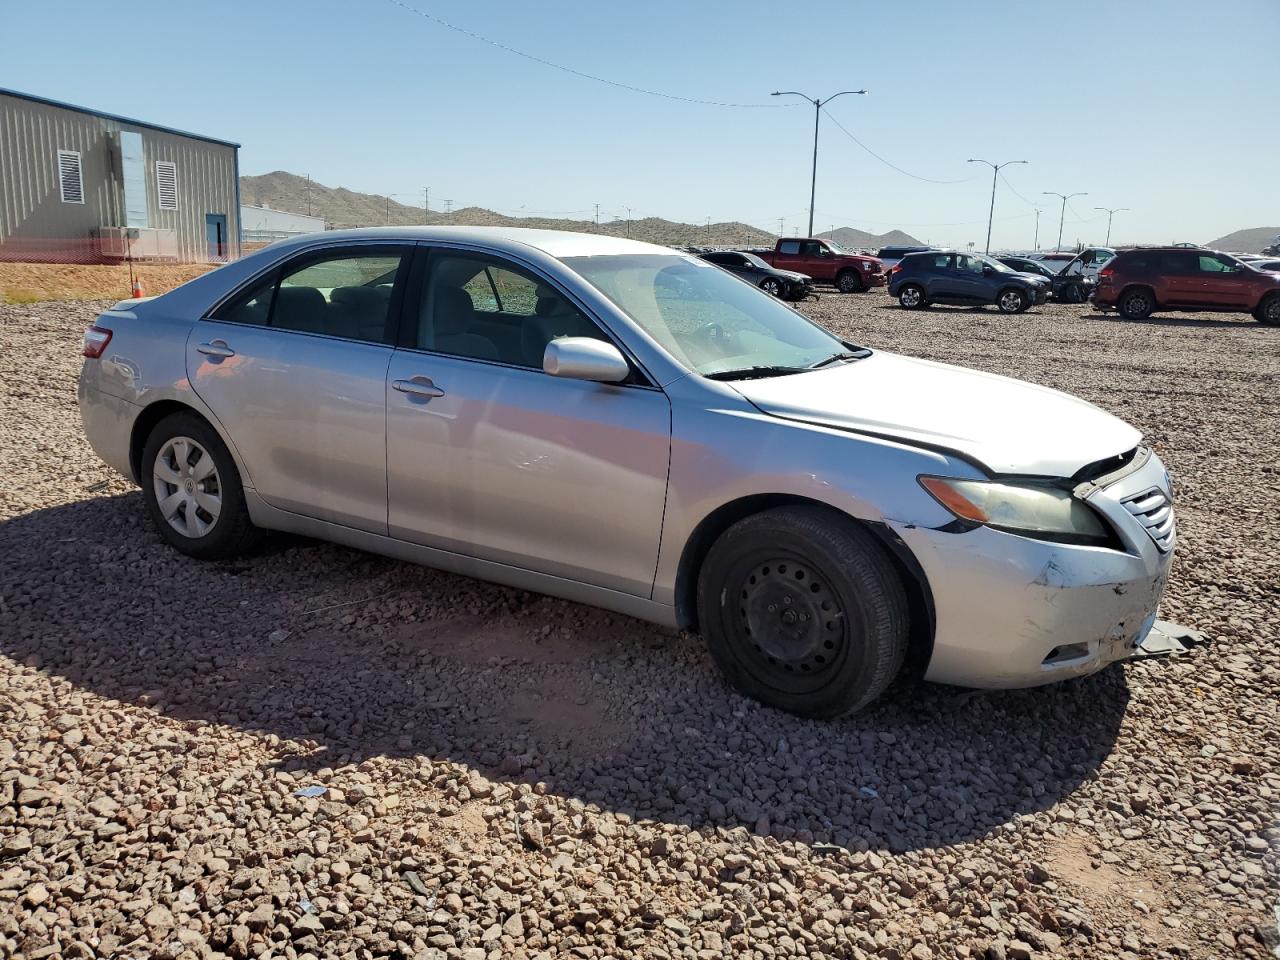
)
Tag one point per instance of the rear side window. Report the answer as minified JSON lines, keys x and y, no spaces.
{"x":1179,"y":262}
{"x":939,"y":260}
{"x":789,"y":247}
{"x":344,"y":293}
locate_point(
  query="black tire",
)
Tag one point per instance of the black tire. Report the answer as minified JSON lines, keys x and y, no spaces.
{"x":1136,"y":304}
{"x":911,"y":296}
{"x":231,"y":533}
{"x":1268,"y":312}
{"x":772,"y":286}
{"x":1010,"y":300}
{"x":849,"y":281}
{"x":803,"y":610}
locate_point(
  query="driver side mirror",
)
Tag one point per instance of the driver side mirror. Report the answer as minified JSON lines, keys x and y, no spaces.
{"x":988,"y":270}
{"x":585,"y":358}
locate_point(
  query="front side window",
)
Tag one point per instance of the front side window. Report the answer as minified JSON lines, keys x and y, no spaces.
{"x":343,"y":294}
{"x":486,"y":309}
{"x":1212,"y":264}
{"x":812,"y":248}
{"x":707,"y":320}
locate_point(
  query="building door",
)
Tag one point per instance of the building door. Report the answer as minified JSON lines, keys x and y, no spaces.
{"x":215,"y":228}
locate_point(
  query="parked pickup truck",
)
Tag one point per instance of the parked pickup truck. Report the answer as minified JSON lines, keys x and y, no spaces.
{"x":826,"y":263}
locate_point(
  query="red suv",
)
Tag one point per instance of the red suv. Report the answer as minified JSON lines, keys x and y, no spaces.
{"x":1139,"y":282}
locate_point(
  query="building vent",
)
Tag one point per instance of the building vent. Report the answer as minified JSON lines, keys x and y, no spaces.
{"x":70,"y":180}
{"x":167,"y":184}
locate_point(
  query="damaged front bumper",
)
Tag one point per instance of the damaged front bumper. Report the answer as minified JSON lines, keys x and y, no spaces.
{"x":1012,"y":611}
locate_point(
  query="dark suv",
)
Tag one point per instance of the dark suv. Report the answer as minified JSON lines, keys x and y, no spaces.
{"x":1139,"y":282}
{"x":920,"y":279}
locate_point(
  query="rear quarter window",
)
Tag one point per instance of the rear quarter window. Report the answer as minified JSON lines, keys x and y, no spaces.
{"x":790,"y":247}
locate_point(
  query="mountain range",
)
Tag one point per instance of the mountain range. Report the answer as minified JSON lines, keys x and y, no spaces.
{"x":1245,"y":241}
{"x":341,"y":207}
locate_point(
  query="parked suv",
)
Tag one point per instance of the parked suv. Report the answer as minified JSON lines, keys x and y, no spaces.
{"x":920,"y":279}
{"x":891,"y":256}
{"x":1139,"y":282}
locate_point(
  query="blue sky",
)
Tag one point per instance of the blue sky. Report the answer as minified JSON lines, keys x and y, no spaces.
{"x":1160,"y":107}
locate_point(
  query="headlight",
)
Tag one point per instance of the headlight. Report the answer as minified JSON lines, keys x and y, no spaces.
{"x":1032,"y":510}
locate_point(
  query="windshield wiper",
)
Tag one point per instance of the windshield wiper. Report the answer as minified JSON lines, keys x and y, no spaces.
{"x":754,"y":373}
{"x":842,"y":355}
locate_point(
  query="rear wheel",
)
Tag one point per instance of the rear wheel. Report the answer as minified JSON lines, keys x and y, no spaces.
{"x":911,"y":296}
{"x":1136,"y":304}
{"x":1012,"y":301}
{"x":803,"y":610}
{"x":771,"y":286}
{"x":192,"y":490}
{"x":848,"y":281}
{"x":1268,"y":312}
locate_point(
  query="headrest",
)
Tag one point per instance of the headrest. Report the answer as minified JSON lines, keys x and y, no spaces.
{"x":453,"y":309}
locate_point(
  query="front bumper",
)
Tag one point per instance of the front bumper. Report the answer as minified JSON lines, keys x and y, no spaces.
{"x":874,"y":279}
{"x":1016,"y":612}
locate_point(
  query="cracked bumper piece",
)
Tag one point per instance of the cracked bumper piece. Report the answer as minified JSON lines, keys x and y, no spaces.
{"x":1017,"y":612}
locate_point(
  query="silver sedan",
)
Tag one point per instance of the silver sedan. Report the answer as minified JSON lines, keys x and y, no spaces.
{"x":628,"y":426}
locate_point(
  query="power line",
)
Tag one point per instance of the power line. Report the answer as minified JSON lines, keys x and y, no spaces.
{"x":570,"y":70}
{"x":894,"y":166}
{"x":1005,"y":181}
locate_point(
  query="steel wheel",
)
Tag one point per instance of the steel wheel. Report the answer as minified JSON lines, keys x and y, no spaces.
{"x":771,"y":286}
{"x":187,"y":487}
{"x":796,"y":625}
{"x":1010,"y":301}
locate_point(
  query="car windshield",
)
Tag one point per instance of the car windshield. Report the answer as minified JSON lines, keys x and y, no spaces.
{"x":706,"y":318}
{"x":995,"y":264}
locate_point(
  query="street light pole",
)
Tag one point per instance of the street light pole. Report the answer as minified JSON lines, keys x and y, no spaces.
{"x":1036,"y":243}
{"x":1062,"y":216}
{"x":995,"y":172}
{"x":1111,"y":212}
{"x":818,"y":104}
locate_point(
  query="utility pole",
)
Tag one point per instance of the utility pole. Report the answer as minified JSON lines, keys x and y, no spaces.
{"x":448,"y":206}
{"x":782,"y":223}
{"x":708,"y":229}
{"x":1111,"y":212}
{"x":628,"y":209}
{"x":308,"y":194}
{"x":426,"y":201}
{"x":388,"y":222}
{"x":1036,"y":244}
{"x":1062,"y":216}
{"x":995,"y":172}
{"x":817,"y":111}
{"x":597,"y":217}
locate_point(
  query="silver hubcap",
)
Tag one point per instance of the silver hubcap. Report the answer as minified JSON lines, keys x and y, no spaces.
{"x":910,"y":297}
{"x":187,"y":487}
{"x":1011,"y":301}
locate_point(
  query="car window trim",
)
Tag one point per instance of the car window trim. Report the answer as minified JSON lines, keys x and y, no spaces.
{"x":416,"y":287}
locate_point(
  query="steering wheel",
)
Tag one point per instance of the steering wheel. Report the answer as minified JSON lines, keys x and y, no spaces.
{"x":713,"y":334}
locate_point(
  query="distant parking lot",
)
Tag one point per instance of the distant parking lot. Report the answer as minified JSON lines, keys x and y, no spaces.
{"x":512,"y":775}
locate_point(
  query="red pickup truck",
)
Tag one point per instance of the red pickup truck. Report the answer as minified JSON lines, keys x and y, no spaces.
{"x":849,"y":272}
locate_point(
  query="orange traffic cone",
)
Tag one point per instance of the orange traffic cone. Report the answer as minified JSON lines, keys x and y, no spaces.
{"x":137,"y":288}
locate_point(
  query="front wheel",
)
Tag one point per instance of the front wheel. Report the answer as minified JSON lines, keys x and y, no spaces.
{"x":848,"y":281}
{"x":803,"y":610}
{"x":771,"y":286}
{"x":1012,"y":301}
{"x":1268,"y":312}
{"x":911,"y":296}
{"x":192,"y":490}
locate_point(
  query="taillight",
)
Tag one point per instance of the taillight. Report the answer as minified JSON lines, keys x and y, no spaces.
{"x":895,"y":268}
{"x":95,"y":341}
{"x":1107,"y":272}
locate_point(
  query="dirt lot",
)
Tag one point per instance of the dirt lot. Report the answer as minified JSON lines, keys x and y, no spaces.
{"x":508,"y":775}
{"x":33,"y":282}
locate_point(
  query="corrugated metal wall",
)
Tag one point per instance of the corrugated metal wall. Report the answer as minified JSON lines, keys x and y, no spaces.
{"x":33,"y":217}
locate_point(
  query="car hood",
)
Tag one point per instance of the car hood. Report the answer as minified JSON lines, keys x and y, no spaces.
{"x":792,"y":275}
{"x":1006,"y":425}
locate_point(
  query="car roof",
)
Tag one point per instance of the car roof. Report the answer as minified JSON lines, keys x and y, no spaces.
{"x":554,"y":243}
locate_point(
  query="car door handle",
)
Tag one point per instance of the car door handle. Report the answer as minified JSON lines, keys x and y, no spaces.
{"x":418,"y":387}
{"x":216,"y":348}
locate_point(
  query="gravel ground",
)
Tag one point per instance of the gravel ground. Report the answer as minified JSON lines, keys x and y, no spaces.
{"x":507,"y":775}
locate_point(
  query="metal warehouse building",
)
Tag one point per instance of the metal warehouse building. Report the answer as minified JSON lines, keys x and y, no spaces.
{"x":77,"y":185}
